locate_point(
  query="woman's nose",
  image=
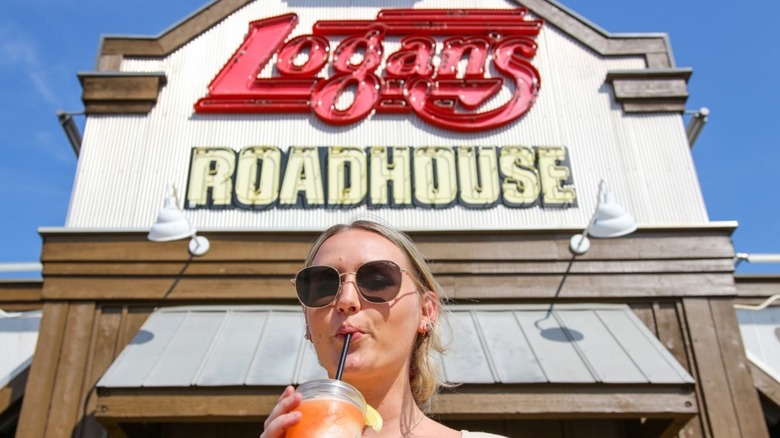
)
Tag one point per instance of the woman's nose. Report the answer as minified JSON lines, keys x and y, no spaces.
{"x":348,"y":300}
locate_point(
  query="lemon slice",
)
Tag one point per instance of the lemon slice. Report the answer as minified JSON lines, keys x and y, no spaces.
{"x":373,"y":419}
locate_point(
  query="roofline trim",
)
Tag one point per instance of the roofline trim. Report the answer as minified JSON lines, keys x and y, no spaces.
{"x":174,"y":37}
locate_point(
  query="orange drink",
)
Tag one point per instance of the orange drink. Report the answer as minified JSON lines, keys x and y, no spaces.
{"x":330,"y":409}
{"x":328,"y":418}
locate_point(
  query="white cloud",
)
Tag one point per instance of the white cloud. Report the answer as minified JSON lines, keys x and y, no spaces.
{"x":18,"y":52}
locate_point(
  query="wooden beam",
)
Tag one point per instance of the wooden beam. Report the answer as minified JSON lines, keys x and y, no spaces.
{"x":746,"y":402}
{"x":651,"y":88}
{"x":719,"y":413}
{"x":712,"y":378}
{"x":654,"y":90}
{"x":133,"y":318}
{"x":670,"y":332}
{"x":439,"y":267}
{"x":699,"y":425}
{"x":475,"y":265}
{"x":20,"y":291}
{"x":532,"y":246}
{"x":171,"y":289}
{"x":518,"y":402}
{"x":185,"y":404}
{"x":120,"y":93}
{"x":653,"y":47}
{"x":503,"y":287}
{"x":592,"y":402}
{"x":758,"y":286}
{"x":66,"y":404}
{"x":176,"y":37}
{"x":167,"y":269}
{"x":102,"y":351}
{"x":586,"y":286}
{"x":668,"y":105}
{"x":35,"y":405}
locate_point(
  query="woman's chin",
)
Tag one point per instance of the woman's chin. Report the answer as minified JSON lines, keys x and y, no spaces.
{"x":354,"y":366}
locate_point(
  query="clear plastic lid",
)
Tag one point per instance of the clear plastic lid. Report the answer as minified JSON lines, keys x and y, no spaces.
{"x":329,"y":388}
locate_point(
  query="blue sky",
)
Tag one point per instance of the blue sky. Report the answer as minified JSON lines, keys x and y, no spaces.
{"x":731,"y":47}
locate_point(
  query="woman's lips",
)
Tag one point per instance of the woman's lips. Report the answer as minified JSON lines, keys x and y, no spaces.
{"x":343,"y":331}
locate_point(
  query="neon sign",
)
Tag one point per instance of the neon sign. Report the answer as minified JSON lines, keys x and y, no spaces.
{"x":411,"y":81}
{"x":263,"y":177}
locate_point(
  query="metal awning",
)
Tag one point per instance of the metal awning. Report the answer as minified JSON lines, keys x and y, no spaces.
{"x":760,"y":329}
{"x":208,"y":346}
{"x":761,"y":335}
{"x":18,"y":337}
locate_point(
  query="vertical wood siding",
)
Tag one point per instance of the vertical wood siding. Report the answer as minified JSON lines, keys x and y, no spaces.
{"x":78,"y":342}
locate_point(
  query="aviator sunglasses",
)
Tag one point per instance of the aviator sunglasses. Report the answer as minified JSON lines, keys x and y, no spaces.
{"x":377,"y":281}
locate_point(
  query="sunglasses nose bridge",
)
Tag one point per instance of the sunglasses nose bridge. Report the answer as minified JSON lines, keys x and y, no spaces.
{"x":343,"y":285}
{"x":343,"y":281}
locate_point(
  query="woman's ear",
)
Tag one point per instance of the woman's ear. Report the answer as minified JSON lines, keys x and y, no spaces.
{"x":429,"y":308}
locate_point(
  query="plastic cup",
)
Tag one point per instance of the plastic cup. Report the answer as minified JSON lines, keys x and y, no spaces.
{"x":330,"y":409}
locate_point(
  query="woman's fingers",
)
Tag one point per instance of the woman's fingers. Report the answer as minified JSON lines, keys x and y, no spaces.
{"x":282,"y":417}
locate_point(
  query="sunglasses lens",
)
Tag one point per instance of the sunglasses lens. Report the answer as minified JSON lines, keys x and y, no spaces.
{"x":317,"y":285}
{"x":379,"y":281}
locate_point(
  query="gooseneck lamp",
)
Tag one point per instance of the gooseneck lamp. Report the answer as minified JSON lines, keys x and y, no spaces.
{"x":171,"y":224}
{"x":609,"y":220}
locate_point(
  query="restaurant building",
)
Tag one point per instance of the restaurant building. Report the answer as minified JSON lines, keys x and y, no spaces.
{"x":492,"y":131}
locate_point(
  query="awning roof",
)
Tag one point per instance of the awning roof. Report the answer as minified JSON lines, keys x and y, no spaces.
{"x":761,"y":335}
{"x":18,"y":337}
{"x":760,"y":331}
{"x":264,"y":345}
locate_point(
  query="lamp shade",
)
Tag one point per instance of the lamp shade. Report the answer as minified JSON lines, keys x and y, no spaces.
{"x":170,"y":224}
{"x":611,"y":220}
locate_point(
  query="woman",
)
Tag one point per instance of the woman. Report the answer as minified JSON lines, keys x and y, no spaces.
{"x":383,"y":293}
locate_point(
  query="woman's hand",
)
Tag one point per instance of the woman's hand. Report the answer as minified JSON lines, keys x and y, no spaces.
{"x":282,"y":416}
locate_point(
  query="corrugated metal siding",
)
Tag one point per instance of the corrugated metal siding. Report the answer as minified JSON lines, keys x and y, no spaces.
{"x":761,"y":335}
{"x":18,"y":338}
{"x":262,"y":345}
{"x":127,"y":161}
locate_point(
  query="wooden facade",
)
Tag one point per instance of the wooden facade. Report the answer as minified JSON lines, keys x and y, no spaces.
{"x":99,"y":289}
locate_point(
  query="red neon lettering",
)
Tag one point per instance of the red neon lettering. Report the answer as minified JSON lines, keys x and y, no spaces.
{"x":414,"y":58}
{"x":236,"y":88}
{"x":454,"y":49}
{"x":316,"y":49}
{"x":392,"y":97}
{"x":408,"y":83}
{"x":357,"y":76}
{"x":427,"y":97}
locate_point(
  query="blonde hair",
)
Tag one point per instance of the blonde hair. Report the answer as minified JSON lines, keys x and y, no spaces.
{"x":424,"y":374}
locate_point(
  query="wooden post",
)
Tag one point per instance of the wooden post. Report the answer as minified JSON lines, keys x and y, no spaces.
{"x":730,"y":402}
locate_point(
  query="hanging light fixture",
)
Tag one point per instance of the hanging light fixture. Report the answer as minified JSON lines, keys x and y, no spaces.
{"x":609,"y":220}
{"x":71,"y":130}
{"x":171,"y":224}
{"x":696,"y":124}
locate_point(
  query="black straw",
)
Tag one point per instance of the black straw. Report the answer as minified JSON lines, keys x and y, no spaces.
{"x":343,"y":355}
